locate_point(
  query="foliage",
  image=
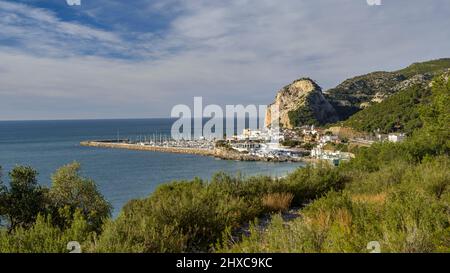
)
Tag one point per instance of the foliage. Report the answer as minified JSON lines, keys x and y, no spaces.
{"x":39,"y":219}
{"x":434,"y":66}
{"x":44,"y":237}
{"x":3,"y":194}
{"x":291,"y":143}
{"x":198,"y":212}
{"x":311,"y":182}
{"x":223,"y":144}
{"x":70,"y":192}
{"x":404,"y":216}
{"x":398,"y":113}
{"x":24,"y":199}
{"x":277,"y":202}
{"x":303,"y":116}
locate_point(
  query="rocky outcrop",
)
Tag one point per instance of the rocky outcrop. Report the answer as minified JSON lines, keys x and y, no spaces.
{"x":363,"y":91}
{"x":300,"y":103}
{"x":303,"y":103}
{"x":360,"y":92}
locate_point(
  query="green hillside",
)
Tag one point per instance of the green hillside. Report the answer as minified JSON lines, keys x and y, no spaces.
{"x":360,"y":92}
{"x":434,"y":66}
{"x":401,"y":112}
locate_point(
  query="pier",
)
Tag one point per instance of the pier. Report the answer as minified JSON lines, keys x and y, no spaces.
{"x":114,"y":144}
{"x":217,"y":152}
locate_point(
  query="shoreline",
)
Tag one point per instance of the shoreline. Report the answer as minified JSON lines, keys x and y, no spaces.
{"x":223,"y":154}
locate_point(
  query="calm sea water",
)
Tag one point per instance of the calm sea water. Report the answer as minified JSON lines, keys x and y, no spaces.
{"x":120,"y":174}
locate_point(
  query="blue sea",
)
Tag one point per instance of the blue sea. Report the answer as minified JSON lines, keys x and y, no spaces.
{"x":121,"y":175}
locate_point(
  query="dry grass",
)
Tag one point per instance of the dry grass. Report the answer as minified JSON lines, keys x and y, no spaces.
{"x":278,"y":202}
{"x":379,"y":198}
{"x":320,"y":221}
{"x":344,"y":219}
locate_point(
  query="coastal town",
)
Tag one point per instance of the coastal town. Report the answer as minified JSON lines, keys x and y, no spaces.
{"x":302,"y":144}
{"x":288,"y":133}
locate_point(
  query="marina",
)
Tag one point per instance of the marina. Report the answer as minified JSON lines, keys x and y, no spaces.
{"x":251,"y":145}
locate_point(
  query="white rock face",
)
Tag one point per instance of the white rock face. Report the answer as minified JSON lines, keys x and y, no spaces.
{"x":301,"y":93}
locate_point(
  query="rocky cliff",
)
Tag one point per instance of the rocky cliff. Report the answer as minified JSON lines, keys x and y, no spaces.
{"x":360,"y":92}
{"x":301,"y":103}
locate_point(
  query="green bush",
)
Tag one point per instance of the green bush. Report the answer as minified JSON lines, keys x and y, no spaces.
{"x":40,"y":219}
{"x":70,"y":192}
{"x":24,"y":199}
{"x":413,"y":221}
{"x":44,"y":237}
{"x":402,"y":206}
{"x":313,"y":182}
{"x":192,"y":216}
{"x":178,"y":217}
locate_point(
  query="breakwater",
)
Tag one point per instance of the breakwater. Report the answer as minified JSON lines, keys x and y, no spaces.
{"x":221,"y":153}
{"x":138,"y":147}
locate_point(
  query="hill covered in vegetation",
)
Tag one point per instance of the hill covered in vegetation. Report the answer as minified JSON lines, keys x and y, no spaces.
{"x":361,"y":92}
{"x":432,"y":67}
{"x":398,"y":113}
{"x":304,"y":103}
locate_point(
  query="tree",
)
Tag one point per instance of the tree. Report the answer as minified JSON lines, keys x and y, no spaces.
{"x":2,"y":197}
{"x":24,"y":199}
{"x":71,"y":192}
{"x":434,"y":137}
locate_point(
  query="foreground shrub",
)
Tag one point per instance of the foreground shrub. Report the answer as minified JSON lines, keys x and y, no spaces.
{"x":71,"y":192}
{"x":277,"y":202}
{"x":410,"y":212}
{"x":43,"y":237}
{"x":413,"y":222}
{"x":312,"y":182}
{"x":178,"y":217}
{"x":327,"y":225}
{"x":192,"y":216}
{"x":23,"y":200}
{"x":387,"y":177}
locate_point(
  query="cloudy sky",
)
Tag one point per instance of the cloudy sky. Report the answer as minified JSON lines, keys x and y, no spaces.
{"x":137,"y":59}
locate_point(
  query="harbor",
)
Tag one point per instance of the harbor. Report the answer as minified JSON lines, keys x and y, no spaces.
{"x":307,"y":145}
{"x":194,"y":148}
{"x":303,"y":144}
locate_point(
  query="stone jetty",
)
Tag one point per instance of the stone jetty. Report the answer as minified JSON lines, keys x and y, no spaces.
{"x":221,"y":153}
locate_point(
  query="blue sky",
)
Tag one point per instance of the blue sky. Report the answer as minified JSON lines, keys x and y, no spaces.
{"x":126,"y":59}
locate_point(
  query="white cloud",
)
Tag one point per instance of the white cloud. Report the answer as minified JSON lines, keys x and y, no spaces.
{"x":237,"y":51}
{"x":40,"y":32}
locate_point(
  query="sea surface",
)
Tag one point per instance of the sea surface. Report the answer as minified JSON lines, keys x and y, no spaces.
{"x":121,"y":175}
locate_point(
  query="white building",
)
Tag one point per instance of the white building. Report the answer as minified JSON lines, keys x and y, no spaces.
{"x":396,"y":138}
{"x":316,"y":152}
{"x":310,"y":131}
{"x":327,"y":138}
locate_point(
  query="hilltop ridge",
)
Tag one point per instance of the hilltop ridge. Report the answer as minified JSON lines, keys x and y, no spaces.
{"x":304,"y":103}
{"x":360,"y":92}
